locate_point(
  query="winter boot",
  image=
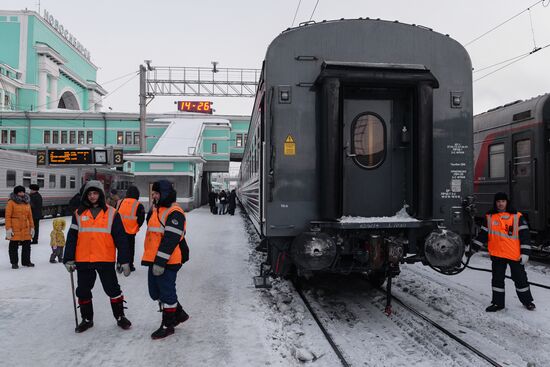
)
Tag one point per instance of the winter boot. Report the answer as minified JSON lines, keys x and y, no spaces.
{"x":181,"y":315}
{"x":117,"y":304}
{"x":494,"y":308}
{"x":530,"y":306}
{"x":167,"y":326}
{"x":87,"y":313}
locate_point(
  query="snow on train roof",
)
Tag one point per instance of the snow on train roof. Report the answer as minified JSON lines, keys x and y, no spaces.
{"x":400,"y":216}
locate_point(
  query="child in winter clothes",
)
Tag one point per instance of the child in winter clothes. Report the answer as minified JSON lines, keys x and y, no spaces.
{"x":57,"y":240}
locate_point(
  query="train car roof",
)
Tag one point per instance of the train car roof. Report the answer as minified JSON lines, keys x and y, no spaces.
{"x":510,"y":113}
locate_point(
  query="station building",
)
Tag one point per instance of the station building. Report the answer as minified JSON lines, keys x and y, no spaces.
{"x":50,"y":99}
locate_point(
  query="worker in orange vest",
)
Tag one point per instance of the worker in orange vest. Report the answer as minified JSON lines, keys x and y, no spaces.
{"x":133,"y":215}
{"x":506,"y":232}
{"x":164,"y":256}
{"x":95,"y":235}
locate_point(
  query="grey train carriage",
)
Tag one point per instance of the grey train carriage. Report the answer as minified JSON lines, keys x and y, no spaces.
{"x":353,"y":121}
{"x":512,"y":154}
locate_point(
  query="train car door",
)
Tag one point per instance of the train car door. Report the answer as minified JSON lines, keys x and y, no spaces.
{"x":522,"y":173}
{"x":374,"y":169}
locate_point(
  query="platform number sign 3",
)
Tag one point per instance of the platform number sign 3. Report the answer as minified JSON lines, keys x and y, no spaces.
{"x":118,"y":158}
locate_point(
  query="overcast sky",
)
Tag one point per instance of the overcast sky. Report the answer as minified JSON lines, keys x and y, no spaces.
{"x":120,"y":34}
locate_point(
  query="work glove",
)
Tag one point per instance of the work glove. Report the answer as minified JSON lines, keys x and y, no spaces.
{"x":124,"y":269}
{"x":158,"y":270}
{"x":32,"y":232}
{"x":9,"y":234}
{"x":71,"y":266}
{"x":524,"y":259}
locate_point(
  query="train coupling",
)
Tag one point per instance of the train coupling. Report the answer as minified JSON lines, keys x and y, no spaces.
{"x":263,"y":280}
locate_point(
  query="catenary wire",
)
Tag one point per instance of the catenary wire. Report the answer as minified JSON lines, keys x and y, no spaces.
{"x":315,"y":8}
{"x":296,"y":13}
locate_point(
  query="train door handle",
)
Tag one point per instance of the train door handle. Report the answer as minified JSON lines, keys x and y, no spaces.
{"x":351,"y":155}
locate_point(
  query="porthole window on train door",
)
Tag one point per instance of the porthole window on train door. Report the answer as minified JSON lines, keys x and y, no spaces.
{"x":368,"y":140}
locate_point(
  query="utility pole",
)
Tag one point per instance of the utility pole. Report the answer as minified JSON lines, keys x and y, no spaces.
{"x":142,"y":109}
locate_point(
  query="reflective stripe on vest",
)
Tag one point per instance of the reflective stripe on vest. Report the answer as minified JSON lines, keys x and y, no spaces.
{"x":95,"y":242}
{"x":127,"y":208}
{"x":155,"y":233}
{"x":503,"y":232}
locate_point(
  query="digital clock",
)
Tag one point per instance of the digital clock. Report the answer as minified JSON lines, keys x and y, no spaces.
{"x":70,"y":156}
{"x":195,"y":106}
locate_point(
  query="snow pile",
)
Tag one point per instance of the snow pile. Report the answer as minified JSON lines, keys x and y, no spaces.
{"x":400,"y":216}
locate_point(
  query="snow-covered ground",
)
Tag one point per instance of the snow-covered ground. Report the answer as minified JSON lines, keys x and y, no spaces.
{"x":234,"y":324}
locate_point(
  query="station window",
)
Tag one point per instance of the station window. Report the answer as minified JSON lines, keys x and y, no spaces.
{"x":214,"y":148}
{"x":368,"y":139}
{"x":81,"y":137}
{"x":40,"y":180}
{"x":128,"y":138}
{"x":52,"y":182}
{"x":89,"y":137}
{"x":46,"y":137}
{"x":63,"y":137}
{"x":63,"y":182}
{"x":239,"y":140}
{"x":26,"y":178}
{"x":120,"y":137}
{"x":4,"y":136}
{"x":10,"y":178}
{"x":136,"y":138}
{"x":72,"y":137}
{"x":12,"y":136}
{"x":496,"y":161}
{"x":72,"y":182}
{"x":55,"y":137}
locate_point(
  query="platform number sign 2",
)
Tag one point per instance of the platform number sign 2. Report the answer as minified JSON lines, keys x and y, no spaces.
{"x":118,"y":158}
{"x":41,"y":156}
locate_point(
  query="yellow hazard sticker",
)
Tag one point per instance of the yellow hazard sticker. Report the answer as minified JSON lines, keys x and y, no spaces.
{"x":290,"y":146}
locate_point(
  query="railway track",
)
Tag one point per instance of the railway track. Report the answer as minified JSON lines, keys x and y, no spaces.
{"x":466,"y":353}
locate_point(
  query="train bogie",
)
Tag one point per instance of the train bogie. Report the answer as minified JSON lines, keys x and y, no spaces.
{"x":355,"y":121}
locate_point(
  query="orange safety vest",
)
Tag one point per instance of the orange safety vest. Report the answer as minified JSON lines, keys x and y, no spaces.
{"x":503,"y":229}
{"x":155,"y":233}
{"x":95,"y":242}
{"x":127,"y":208}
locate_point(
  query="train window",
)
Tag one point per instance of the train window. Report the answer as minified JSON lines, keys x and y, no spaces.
{"x":522,"y":158}
{"x":55,"y":137}
{"x":63,"y":137}
{"x":52,"y":182}
{"x":128,"y":138}
{"x":63,"y":183}
{"x":46,"y":137}
{"x":239,"y":140}
{"x":81,"y":137}
{"x":136,"y":137}
{"x":245,"y":136}
{"x":72,"y":182}
{"x":89,"y":137}
{"x":40,"y":180}
{"x":120,"y":137}
{"x":496,"y":161}
{"x":10,"y":178}
{"x":26,"y":178}
{"x":72,"y":137}
{"x":214,"y":148}
{"x":368,"y":137}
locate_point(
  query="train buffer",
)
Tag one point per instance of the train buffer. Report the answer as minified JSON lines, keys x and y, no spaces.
{"x":263,"y":280}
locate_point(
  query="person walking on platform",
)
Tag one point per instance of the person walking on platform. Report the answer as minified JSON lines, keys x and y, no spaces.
{"x":57,"y":240}
{"x":506,"y":232}
{"x":19,"y":227}
{"x":232,"y":202}
{"x":95,"y":234}
{"x":223,"y":202}
{"x":132,"y":214}
{"x":212,"y":197}
{"x":163,"y":255}
{"x":36,"y":207}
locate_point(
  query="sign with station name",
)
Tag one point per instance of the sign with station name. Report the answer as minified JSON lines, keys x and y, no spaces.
{"x":65,"y":33}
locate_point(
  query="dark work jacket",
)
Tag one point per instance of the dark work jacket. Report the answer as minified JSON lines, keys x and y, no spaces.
{"x":232,"y":200}
{"x":36,"y":205}
{"x":119,"y":238}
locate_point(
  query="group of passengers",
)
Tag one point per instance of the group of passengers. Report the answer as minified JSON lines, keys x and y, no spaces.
{"x":221,"y":203}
